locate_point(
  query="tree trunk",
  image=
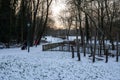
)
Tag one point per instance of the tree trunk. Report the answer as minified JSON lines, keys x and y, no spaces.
{"x":95,"y":45}
{"x":78,"y":52}
{"x":117,"y":54}
{"x":106,"y":52}
{"x":72,"y":51}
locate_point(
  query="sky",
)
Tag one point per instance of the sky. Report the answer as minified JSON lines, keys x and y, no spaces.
{"x":57,"y":7}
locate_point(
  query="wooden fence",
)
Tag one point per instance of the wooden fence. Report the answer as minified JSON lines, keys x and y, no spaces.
{"x":51,"y":46}
{"x":55,"y":45}
{"x":65,"y":46}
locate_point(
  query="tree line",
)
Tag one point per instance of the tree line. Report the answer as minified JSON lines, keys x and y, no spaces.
{"x":98,"y":19}
{"x":19,"y":16}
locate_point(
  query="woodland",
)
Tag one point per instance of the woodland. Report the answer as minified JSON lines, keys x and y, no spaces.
{"x":21,"y":20}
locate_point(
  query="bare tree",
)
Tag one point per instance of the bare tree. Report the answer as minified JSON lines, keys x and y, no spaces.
{"x":48,"y":3}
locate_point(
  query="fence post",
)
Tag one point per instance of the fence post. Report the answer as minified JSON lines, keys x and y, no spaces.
{"x":72,"y":51}
{"x":106,"y":52}
{"x":43,"y":48}
{"x":117,"y":56}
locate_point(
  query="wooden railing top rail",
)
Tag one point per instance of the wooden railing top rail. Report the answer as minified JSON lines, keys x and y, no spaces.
{"x":54,"y":45}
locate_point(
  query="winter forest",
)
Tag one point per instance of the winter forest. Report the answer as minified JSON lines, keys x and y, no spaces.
{"x":59,"y":39}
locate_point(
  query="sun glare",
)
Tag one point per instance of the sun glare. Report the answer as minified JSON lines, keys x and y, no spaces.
{"x":57,"y":7}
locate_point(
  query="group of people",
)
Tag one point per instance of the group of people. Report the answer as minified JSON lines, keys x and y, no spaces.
{"x":36,"y":43}
{"x":24,"y":46}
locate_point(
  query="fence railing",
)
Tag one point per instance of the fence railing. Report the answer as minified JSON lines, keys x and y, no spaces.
{"x":65,"y":46}
{"x":51,"y":46}
{"x":55,"y":45}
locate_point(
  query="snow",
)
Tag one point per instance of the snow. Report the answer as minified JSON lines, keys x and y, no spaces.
{"x":52,"y":39}
{"x":17,"y":64}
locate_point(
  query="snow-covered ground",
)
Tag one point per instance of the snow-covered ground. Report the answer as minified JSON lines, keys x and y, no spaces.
{"x":17,"y":64}
{"x":53,"y":39}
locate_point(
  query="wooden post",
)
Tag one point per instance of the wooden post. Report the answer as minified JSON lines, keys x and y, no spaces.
{"x":95,"y":45}
{"x":43,"y":48}
{"x":77,"y":44}
{"x":106,"y":52}
{"x":91,"y":48}
{"x":117,"y":56}
{"x":72,"y":51}
{"x":84,"y":44}
{"x":100,"y":48}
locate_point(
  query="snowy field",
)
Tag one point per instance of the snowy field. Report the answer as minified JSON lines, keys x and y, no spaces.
{"x":37,"y":65}
{"x":17,"y":64}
